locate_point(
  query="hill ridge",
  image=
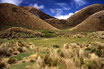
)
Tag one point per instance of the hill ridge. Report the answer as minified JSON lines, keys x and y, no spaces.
{"x":84,"y":13}
{"x":93,"y":23}
{"x":15,"y":16}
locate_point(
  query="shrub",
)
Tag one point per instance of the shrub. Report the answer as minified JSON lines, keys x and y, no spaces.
{"x":56,"y":46}
{"x":12,"y":60}
{"x":48,"y":33}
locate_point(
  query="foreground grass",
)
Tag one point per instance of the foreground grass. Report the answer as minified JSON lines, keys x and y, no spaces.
{"x":52,"y":54}
{"x":22,"y":66}
{"x":59,"y":41}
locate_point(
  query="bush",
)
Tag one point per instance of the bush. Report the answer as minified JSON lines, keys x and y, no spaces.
{"x":12,"y":60}
{"x":48,"y":33}
{"x":56,"y":46}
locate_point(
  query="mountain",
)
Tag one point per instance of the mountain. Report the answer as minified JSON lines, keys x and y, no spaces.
{"x":93,"y":23}
{"x":84,"y":13}
{"x":38,"y":12}
{"x":49,"y":19}
{"x":15,"y":16}
{"x":61,"y":24}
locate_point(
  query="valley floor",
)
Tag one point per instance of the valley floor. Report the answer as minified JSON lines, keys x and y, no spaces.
{"x":76,"y":51}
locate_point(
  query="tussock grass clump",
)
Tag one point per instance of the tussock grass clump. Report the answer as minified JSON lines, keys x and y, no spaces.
{"x":19,"y":32}
{"x":72,"y":56}
{"x":14,"y":48}
{"x":99,"y":34}
{"x":10,"y":51}
{"x":78,"y":36}
{"x":12,"y":61}
{"x":3,"y":63}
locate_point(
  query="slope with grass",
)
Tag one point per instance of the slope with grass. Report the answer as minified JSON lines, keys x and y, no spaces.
{"x":49,"y":19}
{"x":61,"y":24}
{"x":19,"y":32}
{"x":15,"y":16}
{"x":93,"y":23}
{"x":84,"y":13}
{"x":38,"y":12}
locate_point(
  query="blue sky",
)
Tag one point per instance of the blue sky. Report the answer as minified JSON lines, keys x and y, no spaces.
{"x":61,"y":9}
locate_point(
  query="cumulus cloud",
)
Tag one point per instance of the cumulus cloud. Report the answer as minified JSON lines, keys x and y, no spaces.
{"x":80,"y":2}
{"x":64,"y":6}
{"x":16,"y":2}
{"x":58,"y":13}
{"x":64,"y":16}
{"x":37,"y":6}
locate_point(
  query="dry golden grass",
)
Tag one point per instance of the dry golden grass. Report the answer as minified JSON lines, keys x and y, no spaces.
{"x":14,"y":48}
{"x":15,"y":16}
{"x":84,"y":13}
{"x":93,"y":23}
{"x":38,"y":13}
{"x":8,"y":50}
{"x":71,"y":56}
{"x":17,"y":32}
{"x":61,"y":24}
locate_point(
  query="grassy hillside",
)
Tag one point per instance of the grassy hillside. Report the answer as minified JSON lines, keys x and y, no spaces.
{"x":84,"y":13}
{"x":15,"y":16}
{"x":19,"y":32}
{"x":38,"y":12}
{"x":93,"y":23}
{"x":61,"y":24}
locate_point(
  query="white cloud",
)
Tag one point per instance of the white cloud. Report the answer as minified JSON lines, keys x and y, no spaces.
{"x":58,"y":13}
{"x":79,"y":2}
{"x":64,"y":6}
{"x":52,"y":10}
{"x":37,"y":6}
{"x":16,"y":2}
{"x":61,"y":4}
{"x":64,"y":16}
